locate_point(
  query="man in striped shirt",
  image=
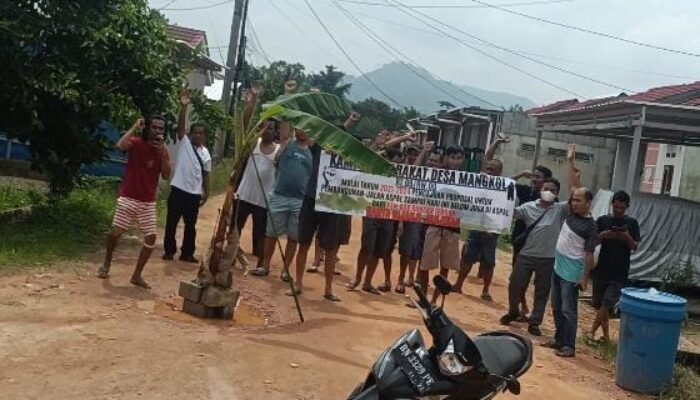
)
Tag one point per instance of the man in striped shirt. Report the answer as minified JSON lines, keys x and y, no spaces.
{"x":147,"y":162}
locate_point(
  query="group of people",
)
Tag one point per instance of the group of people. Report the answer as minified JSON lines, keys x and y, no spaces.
{"x":556,"y":241}
{"x":148,"y":161}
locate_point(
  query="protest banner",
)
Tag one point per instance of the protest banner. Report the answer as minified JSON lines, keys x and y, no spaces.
{"x":418,"y":194}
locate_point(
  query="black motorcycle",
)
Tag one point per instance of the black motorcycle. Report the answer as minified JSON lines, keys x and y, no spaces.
{"x":455,"y":368}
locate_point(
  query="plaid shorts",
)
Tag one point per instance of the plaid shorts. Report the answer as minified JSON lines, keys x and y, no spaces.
{"x":130,"y":211}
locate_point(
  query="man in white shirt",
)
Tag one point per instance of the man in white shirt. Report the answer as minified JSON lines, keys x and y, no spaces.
{"x":189,"y":187}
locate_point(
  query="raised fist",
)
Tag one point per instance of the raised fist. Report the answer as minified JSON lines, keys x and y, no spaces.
{"x":290,"y":86}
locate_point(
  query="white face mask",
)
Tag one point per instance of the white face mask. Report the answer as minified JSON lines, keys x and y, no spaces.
{"x":547,"y":196}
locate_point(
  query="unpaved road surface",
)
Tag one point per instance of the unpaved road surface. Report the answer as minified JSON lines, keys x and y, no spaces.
{"x":65,"y":334}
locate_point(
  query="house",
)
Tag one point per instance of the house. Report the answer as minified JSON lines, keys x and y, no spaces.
{"x":656,"y":135}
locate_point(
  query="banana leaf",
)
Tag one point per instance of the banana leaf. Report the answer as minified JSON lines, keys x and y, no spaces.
{"x":324,"y":105}
{"x":330,"y":137}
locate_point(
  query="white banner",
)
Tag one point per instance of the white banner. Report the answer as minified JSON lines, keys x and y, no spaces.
{"x":418,"y":194}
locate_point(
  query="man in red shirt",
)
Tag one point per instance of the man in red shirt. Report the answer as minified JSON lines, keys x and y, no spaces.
{"x":147,"y":162}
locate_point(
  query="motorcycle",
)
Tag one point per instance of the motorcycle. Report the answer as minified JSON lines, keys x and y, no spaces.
{"x":454,"y":368}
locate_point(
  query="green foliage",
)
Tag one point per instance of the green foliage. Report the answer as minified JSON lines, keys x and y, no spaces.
{"x":329,"y":81}
{"x":14,"y":196}
{"x":378,"y":115}
{"x":603,"y":350}
{"x":685,"y":385}
{"x":323,"y":105}
{"x":677,"y":276}
{"x":333,"y":138}
{"x":212,"y":114}
{"x":273,"y":76}
{"x":60,"y":228}
{"x":68,"y":65}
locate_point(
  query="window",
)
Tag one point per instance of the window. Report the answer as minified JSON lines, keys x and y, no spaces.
{"x":527,"y":148}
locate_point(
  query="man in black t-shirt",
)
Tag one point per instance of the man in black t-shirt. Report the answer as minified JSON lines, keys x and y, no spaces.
{"x":619,"y":236}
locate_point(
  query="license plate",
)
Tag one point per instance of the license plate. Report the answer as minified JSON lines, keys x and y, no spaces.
{"x":418,"y":373}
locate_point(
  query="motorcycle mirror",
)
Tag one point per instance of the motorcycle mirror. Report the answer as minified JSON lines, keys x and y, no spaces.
{"x":513,"y":385}
{"x":442,"y":285}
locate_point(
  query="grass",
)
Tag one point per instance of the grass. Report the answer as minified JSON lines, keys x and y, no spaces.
{"x":603,"y":350}
{"x":67,"y":228}
{"x":14,"y":196}
{"x":59,"y":228}
{"x":685,"y":386}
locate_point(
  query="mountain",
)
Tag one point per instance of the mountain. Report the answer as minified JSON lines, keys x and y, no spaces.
{"x":400,"y":81}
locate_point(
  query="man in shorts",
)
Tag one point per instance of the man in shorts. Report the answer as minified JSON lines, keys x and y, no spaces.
{"x":147,"y":162}
{"x":619,"y":236}
{"x":441,"y":247}
{"x":412,"y":234}
{"x":295,"y":162}
{"x":331,"y":227}
{"x":481,"y":246}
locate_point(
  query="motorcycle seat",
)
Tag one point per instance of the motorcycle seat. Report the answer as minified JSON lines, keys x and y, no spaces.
{"x":504,"y":353}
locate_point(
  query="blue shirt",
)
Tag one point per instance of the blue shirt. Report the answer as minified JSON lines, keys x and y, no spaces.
{"x":294,"y":171}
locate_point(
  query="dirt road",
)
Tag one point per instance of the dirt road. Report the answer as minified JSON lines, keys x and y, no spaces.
{"x":66,"y":335}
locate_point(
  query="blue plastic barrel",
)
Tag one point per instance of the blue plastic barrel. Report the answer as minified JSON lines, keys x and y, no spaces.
{"x":650,"y":327}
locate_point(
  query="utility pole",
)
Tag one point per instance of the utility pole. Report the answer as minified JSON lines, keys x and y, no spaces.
{"x":232,"y":52}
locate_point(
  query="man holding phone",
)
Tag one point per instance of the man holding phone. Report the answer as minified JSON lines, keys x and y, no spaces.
{"x":619,"y":236}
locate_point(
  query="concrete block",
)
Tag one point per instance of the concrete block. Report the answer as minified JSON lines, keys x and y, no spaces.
{"x":191,"y":291}
{"x":198,"y":310}
{"x":217,"y":297}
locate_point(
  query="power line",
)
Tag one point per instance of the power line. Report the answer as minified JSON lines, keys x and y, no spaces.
{"x":519,"y":4}
{"x":584,"y":30}
{"x":301,"y":31}
{"x":516,"y":53}
{"x":347,"y":56}
{"x":167,"y":4}
{"x":257,"y":39}
{"x":392,"y":50}
{"x":540,"y":55}
{"x":401,"y":7}
{"x":198,"y":8}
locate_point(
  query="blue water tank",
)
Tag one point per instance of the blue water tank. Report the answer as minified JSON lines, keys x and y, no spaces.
{"x":650,"y":327}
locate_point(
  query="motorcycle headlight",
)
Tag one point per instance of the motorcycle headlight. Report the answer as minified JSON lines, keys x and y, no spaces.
{"x":449,"y":363}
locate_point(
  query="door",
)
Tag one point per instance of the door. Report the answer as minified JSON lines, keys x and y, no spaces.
{"x":667,"y":181}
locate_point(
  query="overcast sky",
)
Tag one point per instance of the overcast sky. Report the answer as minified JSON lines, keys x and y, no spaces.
{"x":294,"y":35}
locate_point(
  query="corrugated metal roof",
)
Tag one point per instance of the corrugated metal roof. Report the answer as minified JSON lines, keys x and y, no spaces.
{"x":683,"y":95}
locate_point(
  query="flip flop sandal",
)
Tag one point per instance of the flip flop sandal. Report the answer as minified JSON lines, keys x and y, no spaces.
{"x":352,"y":285}
{"x":103,"y":272}
{"x":331,"y":297}
{"x":296,"y":292}
{"x":260,"y":272}
{"x":372,"y":290}
{"x":486,"y":297}
{"x":284,"y":277}
{"x":400,"y":289}
{"x":384,"y":287}
{"x":313,"y":269}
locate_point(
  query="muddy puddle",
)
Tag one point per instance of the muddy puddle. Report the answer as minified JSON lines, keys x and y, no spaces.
{"x":243,"y":316}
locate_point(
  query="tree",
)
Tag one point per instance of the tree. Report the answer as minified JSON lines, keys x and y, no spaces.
{"x":329,"y":81}
{"x":273,"y":77}
{"x":446,"y":105}
{"x":516,"y":108}
{"x":68,"y":65}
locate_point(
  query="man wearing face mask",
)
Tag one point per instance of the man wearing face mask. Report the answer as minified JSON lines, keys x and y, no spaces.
{"x":543,"y":219}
